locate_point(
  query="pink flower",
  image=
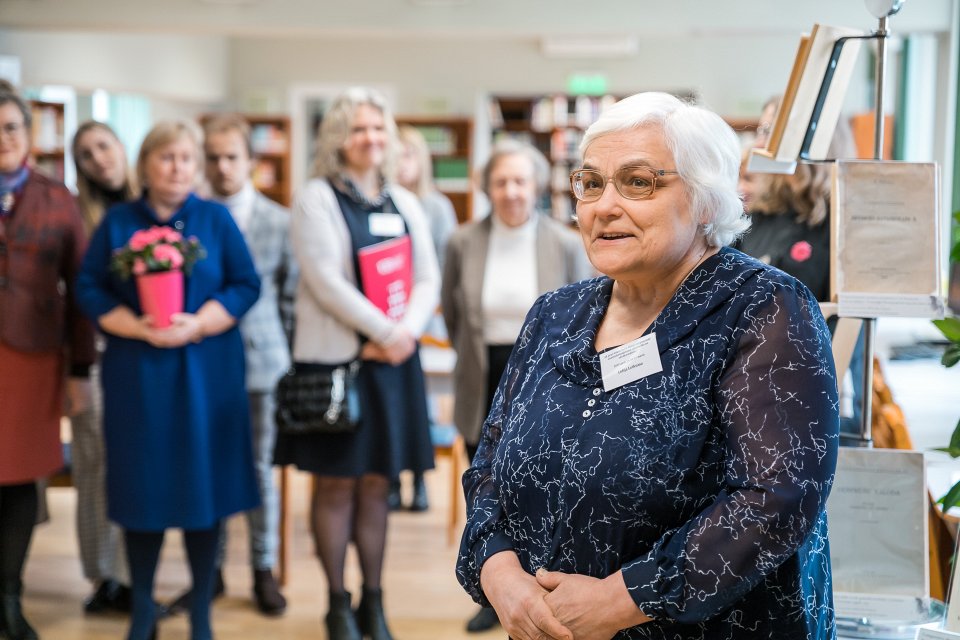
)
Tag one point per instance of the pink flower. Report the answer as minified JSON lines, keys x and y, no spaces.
{"x":166,"y":234}
{"x":139,"y":267}
{"x":801,"y":251}
{"x":168,"y":253}
{"x":140,"y":240}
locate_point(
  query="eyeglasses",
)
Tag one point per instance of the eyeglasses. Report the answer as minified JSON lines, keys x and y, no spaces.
{"x":633,"y":183}
{"x":11,"y":129}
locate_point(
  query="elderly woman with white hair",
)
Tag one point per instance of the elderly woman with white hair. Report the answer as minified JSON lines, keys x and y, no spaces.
{"x":660,"y":450}
{"x":351,"y":205}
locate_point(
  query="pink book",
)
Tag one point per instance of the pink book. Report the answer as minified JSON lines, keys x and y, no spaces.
{"x":386,"y":275}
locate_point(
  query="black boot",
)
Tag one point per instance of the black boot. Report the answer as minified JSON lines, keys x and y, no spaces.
{"x":393,"y":495}
{"x":420,"y":501}
{"x":370,"y":614}
{"x":341,"y":623}
{"x":11,"y":615}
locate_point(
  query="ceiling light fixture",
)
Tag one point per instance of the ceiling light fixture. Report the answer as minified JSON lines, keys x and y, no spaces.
{"x":590,"y":47}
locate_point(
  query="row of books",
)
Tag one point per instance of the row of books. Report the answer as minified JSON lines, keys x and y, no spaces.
{"x":560,"y":111}
{"x":440,"y":140}
{"x":268,"y":138}
{"x":565,"y":144}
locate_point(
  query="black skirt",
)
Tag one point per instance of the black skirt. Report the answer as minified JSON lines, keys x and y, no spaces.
{"x":394,"y":431}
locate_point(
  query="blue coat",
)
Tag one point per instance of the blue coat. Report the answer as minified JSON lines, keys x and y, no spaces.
{"x":704,"y":484}
{"x":176,"y":421}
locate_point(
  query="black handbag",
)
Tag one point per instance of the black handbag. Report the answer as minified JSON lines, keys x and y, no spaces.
{"x":314,"y":398}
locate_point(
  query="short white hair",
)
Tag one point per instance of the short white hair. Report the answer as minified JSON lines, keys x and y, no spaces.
{"x":705,"y":150}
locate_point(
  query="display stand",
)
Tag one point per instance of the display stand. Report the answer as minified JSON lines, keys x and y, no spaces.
{"x":820,"y":126}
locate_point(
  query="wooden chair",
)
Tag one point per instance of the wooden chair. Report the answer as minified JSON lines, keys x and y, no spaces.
{"x":453,"y":449}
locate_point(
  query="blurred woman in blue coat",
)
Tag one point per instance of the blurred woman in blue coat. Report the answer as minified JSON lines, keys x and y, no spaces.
{"x":176,"y":421}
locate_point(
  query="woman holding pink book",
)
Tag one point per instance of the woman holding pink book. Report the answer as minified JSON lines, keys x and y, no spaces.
{"x":350,"y":209}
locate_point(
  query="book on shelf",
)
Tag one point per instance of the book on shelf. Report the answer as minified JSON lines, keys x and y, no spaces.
{"x":786,"y":102}
{"x":565,"y":144}
{"x":440,"y":140}
{"x":816,"y":87}
{"x":495,"y":113}
{"x":264,"y":175}
{"x":885,"y":238}
{"x":451,"y":174}
{"x":878,"y":533}
{"x":386,"y":275}
{"x":268,"y":138}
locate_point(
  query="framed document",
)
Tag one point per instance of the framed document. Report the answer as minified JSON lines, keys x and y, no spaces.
{"x":885,"y":240}
{"x":877,"y":515}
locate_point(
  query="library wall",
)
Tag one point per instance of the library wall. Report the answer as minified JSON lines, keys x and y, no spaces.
{"x":733,"y":74}
{"x":171,"y":67}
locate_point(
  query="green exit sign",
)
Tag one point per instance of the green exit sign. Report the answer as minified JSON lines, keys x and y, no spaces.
{"x":587,"y":84}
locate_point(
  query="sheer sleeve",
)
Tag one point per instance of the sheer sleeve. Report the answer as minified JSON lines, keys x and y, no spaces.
{"x":776,"y":406}
{"x":484,"y":534}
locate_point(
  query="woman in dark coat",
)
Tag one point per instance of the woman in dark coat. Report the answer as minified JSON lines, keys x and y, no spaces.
{"x":176,"y":421}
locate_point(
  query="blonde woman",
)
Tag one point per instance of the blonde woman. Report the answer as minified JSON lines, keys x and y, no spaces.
{"x":176,"y":420}
{"x":103,"y":180}
{"x":352,"y":204}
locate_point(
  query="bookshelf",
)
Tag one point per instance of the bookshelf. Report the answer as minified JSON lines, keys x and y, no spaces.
{"x":270,"y":139}
{"x":555,"y":125}
{"x":450,"y":142}
{"x":47,"y":141}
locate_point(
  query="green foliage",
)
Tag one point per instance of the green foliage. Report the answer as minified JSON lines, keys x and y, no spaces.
{"x":950,"y":328}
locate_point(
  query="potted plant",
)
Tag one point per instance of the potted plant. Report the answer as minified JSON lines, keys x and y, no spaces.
{"x":158,"y":258}
{"x":950,"y":328}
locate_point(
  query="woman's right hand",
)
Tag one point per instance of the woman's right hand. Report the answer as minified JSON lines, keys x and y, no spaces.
{"x":400,"y":346}
{"x":519,"y":600}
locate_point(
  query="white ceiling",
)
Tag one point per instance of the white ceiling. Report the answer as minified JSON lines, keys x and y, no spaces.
{"x":466,"y":18}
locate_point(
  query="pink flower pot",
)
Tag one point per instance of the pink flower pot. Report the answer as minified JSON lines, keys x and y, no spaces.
{"x":161,"y":295}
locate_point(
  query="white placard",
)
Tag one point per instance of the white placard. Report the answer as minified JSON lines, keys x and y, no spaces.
{"x":878,"y":606}
{"x":889,"y":305}
{"x":629,"y":362}
{"x":927,"y":633}
{"x":877,"y":514}
{"x":386,"y":224}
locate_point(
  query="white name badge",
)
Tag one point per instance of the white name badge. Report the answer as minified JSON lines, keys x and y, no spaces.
{"x":386,"y":224}
{"x":629,"y":362}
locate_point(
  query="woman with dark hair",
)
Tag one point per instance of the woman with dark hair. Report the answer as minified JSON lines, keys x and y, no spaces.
{"x":103,"y":180}
{"x":42,"y":334}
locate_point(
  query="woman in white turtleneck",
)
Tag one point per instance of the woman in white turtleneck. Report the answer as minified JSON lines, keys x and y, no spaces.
{"x":494,"y":271}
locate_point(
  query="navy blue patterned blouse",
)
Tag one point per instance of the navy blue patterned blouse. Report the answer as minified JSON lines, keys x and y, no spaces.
{"x":705,"y":483}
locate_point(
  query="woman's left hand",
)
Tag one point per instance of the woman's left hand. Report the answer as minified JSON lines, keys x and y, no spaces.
{"x":593,"y":609}
{"x":186,"y":328}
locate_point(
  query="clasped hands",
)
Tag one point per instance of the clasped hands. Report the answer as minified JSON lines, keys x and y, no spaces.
{"x":557,"y":606}
{"x":396,"y":351}
{"x":185,"y":328}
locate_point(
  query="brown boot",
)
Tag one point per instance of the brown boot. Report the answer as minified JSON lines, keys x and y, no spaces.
{"x":267,"y":594}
